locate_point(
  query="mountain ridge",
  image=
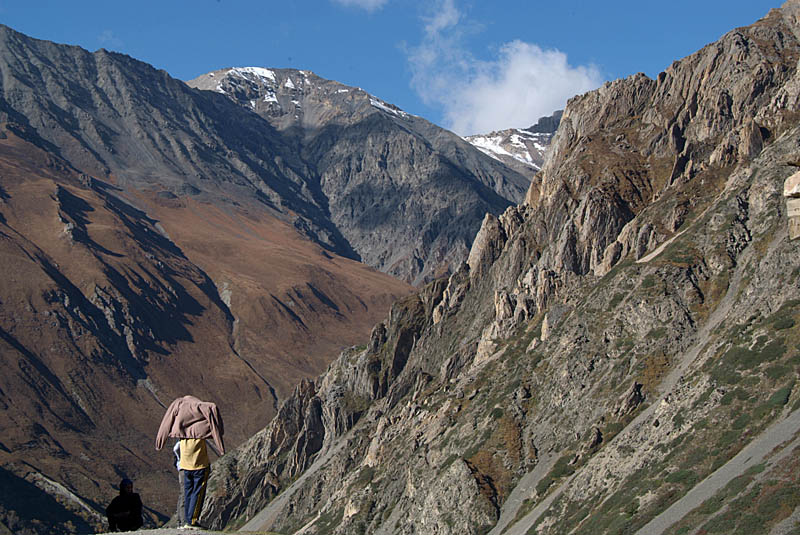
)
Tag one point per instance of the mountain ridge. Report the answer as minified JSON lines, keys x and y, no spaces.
{"x":368,"y":156}
{"x":520,"y":148}
{"x":171,"y":238}
{"x":613,"y":340}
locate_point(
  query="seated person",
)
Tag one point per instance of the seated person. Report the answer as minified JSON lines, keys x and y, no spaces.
{"x":125,"y":511}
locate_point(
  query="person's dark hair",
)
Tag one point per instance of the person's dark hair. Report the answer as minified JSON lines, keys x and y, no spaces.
{"x":124,"y":483}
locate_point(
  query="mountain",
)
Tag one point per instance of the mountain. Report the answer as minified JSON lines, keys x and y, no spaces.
{"x":522,"y":149}
{"x":407,"y":195}
{"x":619,"y":354}
{"x":156,"y":241}
{"x":159,"y":237}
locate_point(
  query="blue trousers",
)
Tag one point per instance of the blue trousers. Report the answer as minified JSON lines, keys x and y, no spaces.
{"x":194,"y":492}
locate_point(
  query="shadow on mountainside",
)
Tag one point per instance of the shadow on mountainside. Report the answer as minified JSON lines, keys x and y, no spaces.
{"x":20,"y":499}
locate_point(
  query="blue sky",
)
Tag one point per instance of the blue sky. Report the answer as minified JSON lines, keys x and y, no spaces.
{"x":469,"y":65}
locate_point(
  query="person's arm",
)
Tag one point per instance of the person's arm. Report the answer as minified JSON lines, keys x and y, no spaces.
{"x":111,"y":516}
{"x":213,"y":447}
{"x":176,"y":449}
{"x":137,"y":512}
{"x":166,"y":423}
{"x":214,"y":419}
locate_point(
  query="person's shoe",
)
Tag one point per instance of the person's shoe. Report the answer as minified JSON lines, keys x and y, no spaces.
{"x":185,"y":526}
{"x":197,"y":527}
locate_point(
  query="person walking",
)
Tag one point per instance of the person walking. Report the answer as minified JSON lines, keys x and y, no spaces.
{"x":195,"y":467}
{"x":192,"y":421}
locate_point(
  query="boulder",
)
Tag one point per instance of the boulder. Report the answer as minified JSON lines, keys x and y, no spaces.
{"x":791,"y":188}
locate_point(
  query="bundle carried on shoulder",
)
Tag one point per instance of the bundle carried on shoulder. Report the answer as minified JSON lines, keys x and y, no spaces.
{"x":189,"y":417}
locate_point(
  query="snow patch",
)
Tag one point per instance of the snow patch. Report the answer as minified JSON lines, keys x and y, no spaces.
{"x":249,"y":72}
{"x":289,"y":84}
{"x":493,"y":145}
{"x":387,"y":108}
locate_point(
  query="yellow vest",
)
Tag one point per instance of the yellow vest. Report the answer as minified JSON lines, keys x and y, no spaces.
{"x":194,"y":454}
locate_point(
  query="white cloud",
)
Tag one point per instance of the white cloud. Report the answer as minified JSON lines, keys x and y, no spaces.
{"x":446,"y":16}
{"x":369,"y":5}
{"x":107,"y":38}
{"x":521,"y":84}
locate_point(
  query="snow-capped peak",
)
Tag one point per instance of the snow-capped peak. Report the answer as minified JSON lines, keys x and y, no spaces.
{"x":514,"y":144}
{"x":249,"y":72}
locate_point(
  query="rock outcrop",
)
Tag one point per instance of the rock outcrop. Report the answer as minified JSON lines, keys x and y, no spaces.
{"x":609,"y":343}
{"x":791,"y":190}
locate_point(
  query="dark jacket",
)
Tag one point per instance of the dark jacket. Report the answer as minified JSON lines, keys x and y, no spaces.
{"x":125,"y":513}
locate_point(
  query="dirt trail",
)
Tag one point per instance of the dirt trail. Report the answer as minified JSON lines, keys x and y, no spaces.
{"x":754,"y":453}
{"x":522,"y":491}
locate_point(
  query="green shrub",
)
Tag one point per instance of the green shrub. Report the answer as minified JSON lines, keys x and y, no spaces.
{"x":750,"y":524}
{"x":679,"y":419}
{"x":773,"y":351}
{"x":776,"y":372}
{"x":780,"y":397}
{"x":562,"y":467}
{"x":753,"y":470}
{"x":711,"y":505}
{"x":725,"y":375}
{"x":701,"y":424}
{"x":742,"y":358}
{"x":722,"y":523}
{"x":696,"y":457}
{"x":656,"y":333}
{"x":728,"y":438}
{"x":543,"y":485}
{"x":787,"y":498}
{"x":760,"y":412}
{"x":741,"y":422}
{"x":617,"y":299}
{"x":612,"y":429}
{"x":683,"y":477}
{"x":727,"y":398}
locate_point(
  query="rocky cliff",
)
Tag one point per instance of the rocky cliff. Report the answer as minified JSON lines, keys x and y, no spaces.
{"x":407,"y":195}
{"x":619,"y":353}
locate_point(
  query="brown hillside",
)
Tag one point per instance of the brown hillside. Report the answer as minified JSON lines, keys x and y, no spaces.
{"x":107,"y":314}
